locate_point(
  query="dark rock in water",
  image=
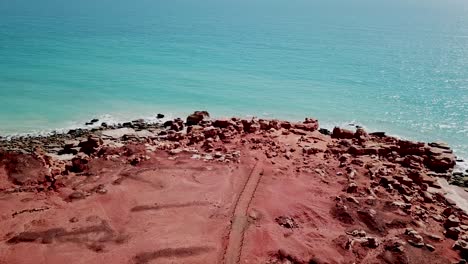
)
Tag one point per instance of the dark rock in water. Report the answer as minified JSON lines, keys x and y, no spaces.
{"x":104,"y":124}
{"x":159,"y":116}
{"x":441,"y":145}
{"x":127,"y":124}
{"x":76,"y":132}
{"x":378,"y":134}
{"x":325,"y":131}
{"x":92,"y":122}
{"x":197,"y":117}
{"x":138,"y":121}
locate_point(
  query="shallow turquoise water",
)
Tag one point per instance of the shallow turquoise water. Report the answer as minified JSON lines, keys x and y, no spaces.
{"x":399,"y":66}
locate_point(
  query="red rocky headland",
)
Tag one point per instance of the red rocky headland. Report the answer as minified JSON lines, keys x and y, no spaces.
{"x":227,"y":191}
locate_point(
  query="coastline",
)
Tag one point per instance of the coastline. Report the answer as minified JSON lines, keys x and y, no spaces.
{"x":259,"y":188}
{"x":152,"y":121}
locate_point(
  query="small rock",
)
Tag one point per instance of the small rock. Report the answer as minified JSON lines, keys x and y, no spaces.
{"x":286,"y":222}
{"x":430,"y":247}
{"x":452,"y":221}
{"x":352,"y":187}
{"x":416,"y":244}
{"x":352,"y":199}
{"x":453,"y":233}
{"x":372,"y":242}
{"x":357,"y":233}
{"x":325,"y":131}
{"x":434,"y":237}
{"x":175,"y":151}
{"x":76,"y":196}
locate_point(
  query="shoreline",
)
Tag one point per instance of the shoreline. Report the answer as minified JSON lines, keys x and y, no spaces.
{"x":226,"y":190}
{"x":150,"y":117}
{"x":460,"y":169}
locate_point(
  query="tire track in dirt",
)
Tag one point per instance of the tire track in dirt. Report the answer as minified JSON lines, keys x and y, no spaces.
{"x":239,"y":219}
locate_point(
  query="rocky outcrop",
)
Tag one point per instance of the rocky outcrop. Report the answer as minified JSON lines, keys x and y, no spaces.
{"x":440,"y":158}
{"x":309,"y":125}
{"x":23,"y":169}
{"x":378,"y":194}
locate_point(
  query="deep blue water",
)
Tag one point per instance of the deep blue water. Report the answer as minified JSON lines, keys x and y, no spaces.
{"x":399,"y":66}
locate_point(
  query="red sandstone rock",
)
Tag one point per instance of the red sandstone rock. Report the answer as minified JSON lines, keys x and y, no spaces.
{"x":79,"y":164}
{"x":361,"y":134}
{"x":22,"y":169}
{"x":223,"y":123}
{"x":308,"y":125}
{"x":91,"y":145}
{"x":442,"y":162}
{"x":341,"y":133}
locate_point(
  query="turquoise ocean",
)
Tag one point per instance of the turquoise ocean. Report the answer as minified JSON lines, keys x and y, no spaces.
{"x":399,"y":66}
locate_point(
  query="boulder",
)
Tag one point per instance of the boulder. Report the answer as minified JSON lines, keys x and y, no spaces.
{"x":308,"y":125}
{"x":453,"y":232}
{"x":197,"y":117}
{"x":210,"y":132}
{"x":79,"y":164}
{"x":452,"y":221}
{"x":440,"y":161}
{"x":286,"y":125}
{"x":360,"y":151}
{"x":441,"y":145}
{"x":91,"y":145}
{"x":168,"y":123}
{"x":177,"y":126}
{"x":70,"y":147}
{"x":378,"y":134}
{"x":254,"y":127}
{"x":275,"y":124}
{"x":407,"y":147}
{"x":264,"y":124}
{"x":325,"y":131}
{"x":309,"y":150}
{"x":342,"y":133}
{"x":361,"y":134}
{"x":223,"y":123}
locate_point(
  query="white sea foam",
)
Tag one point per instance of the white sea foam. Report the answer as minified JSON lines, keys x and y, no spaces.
{"x":109,"y":119}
